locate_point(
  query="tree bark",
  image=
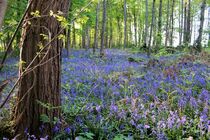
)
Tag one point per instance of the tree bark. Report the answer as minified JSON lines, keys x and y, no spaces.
{"x":43,"y":84}
{"x":3,"y":7}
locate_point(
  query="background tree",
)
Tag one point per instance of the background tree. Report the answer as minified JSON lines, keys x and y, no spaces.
{"x":3,"y":7}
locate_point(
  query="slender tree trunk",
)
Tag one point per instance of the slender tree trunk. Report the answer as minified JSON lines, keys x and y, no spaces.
{"x":135,"y":26}
{"x":83,"y":37}
{"x":185,"y":24}
{"x":181,"y":23}
{"x":197,"y":43}
{"x":125,"y":24}
{"x":102,"y":53}
{"x":120,"y":32}
{"x":96,"y":28}
{"x":152,"y":24}
{"x":167,"y":24}
{"x":43,"y":83}
{"x":74,"y":36}
{"x":111,"y":33}
{"x":87,"y":37}
{"x":68,"y":41}
{"x":188,"y":33}
{"x":3,"y":7}
{"x":159,"y":39}
{"x":172,"y":23}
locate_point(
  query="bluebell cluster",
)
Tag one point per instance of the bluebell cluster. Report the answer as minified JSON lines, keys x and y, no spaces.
{"x":111,"y":96}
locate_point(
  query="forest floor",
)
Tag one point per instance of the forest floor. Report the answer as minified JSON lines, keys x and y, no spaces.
{"x":125,"y":94}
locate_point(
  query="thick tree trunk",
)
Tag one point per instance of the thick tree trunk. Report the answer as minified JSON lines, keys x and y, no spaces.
{"x":3,"y":7}
{"x":96,"y":28}
{"x":197,"y":44}
{"x":43,"y":84}
{"x":125,"y":24}
{"x":102,"y":53}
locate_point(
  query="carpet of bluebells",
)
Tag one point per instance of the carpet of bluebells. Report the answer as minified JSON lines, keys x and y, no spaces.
{"x":113,"y":98}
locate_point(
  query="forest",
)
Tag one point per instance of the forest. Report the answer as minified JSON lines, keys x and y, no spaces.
{"x":104,"y":69}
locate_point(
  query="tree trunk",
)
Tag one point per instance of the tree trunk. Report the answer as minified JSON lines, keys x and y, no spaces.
{"x":172,"y":23}
{"x":119,"y":30}
{"x":167,"y":24}
{"x":68,"y":41}
{"x":96,"y":28}
{"x":125,"y":24}
{"x":3,"y":7}
{"x":146,"y":25}
{"x":159,"y":38}
{"x":188,"y":30}
{"x":74,"y":36}
{"x":181,"y":23}
{"x":185,"y":24}
{"x":135,"y":26}
{"x":111,"y":33}
{"x":83,"y":37}
{"x":87,"y":37}
{"x":102,"y":53}
{"x":43,"y":84}
{"x":152,"y":24}
{"x":197,"y":44}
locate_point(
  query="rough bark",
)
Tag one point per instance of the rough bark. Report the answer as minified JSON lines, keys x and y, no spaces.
{"x":3,"y":7}
{"x":43,"y":84}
